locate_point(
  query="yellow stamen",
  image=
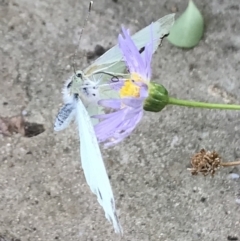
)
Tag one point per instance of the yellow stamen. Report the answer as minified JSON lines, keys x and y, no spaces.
{"x":130,"y":89}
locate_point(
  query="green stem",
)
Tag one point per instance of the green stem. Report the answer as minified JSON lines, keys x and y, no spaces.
{"x":196,"y":104}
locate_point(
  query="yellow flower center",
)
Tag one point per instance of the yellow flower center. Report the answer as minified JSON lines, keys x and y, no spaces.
{"x":130,"y":89}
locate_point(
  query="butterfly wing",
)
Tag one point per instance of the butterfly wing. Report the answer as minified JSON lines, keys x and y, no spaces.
{"x":65,"y":115}
{"x":160,"y":28}
{"x":93,"y":166}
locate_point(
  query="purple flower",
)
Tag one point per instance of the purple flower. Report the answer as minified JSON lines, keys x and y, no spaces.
{"x":127,"y":111}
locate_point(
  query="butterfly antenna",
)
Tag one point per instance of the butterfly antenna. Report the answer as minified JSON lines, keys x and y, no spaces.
{"x":81,"y":33}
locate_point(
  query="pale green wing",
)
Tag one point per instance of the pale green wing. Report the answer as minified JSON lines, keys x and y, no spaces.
{"x":160,"y":28}
{"x":112,"y":73}
{"x":94,"y":110}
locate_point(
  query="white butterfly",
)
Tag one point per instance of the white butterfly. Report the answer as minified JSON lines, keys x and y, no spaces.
{"x":83,"y":90}
{"x":92,"y":162}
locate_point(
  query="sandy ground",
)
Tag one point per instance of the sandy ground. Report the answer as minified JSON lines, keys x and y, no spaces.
{"x":43,"y":192}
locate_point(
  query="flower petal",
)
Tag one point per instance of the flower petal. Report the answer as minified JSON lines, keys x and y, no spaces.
{"x":111,"y":103}
{"x":130,"y":52}
{"x":127,"y":112}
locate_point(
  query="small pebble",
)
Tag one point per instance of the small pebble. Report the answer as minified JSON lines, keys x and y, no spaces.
{"x":233,"y":176}
{"x":238,"y":200}
{"x":68,"y":67}
{"x":24,"y":112}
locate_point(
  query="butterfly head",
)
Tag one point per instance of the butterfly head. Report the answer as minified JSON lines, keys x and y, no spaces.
{"x":79,"y":74}
{"x":75,"y":82}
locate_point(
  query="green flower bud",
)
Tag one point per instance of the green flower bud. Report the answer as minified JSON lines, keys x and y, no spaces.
{"x":157,"y":98}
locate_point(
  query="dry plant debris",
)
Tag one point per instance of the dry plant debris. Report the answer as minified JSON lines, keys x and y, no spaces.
{"x":207,"y":162}
{"x":17,"y":124}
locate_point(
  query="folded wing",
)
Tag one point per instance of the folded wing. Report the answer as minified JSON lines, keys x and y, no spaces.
{"x":93,"y":166}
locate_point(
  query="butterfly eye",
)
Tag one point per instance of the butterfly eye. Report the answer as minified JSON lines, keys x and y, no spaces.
{"x":79,"y":75}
